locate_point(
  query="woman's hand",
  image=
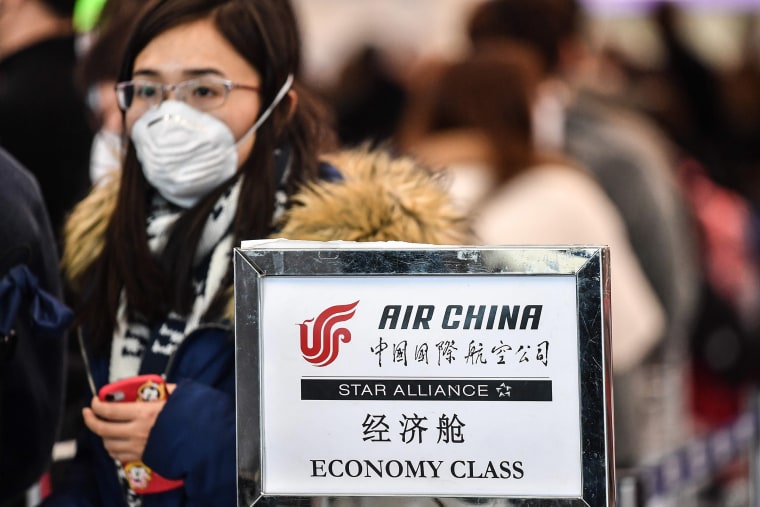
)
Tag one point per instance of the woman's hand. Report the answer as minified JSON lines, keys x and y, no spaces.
{"x":123,"y":426}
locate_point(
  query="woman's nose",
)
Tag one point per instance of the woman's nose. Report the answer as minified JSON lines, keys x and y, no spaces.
{"x":172,"y":91}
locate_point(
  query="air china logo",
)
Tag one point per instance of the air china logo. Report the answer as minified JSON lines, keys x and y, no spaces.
{"x":321,"y":348}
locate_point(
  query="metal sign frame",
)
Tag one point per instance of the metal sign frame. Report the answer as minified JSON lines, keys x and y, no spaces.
{"x":589,"y":265}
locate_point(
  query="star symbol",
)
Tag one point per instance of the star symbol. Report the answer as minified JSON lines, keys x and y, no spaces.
{"x":504,"y":390}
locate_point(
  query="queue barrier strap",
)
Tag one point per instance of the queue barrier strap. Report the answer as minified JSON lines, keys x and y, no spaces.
{"x":699,"y":460}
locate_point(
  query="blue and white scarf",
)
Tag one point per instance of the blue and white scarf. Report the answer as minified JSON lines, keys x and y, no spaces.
{"x":212,"y":259}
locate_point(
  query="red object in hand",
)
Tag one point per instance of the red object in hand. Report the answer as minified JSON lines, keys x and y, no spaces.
{"x":142,"y":388}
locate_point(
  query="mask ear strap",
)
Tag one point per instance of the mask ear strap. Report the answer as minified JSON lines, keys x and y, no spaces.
{"x":277,"y":99}
{"x":282,"y":159}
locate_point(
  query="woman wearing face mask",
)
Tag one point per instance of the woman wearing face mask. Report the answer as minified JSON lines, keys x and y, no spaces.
{"x":223,"y":145}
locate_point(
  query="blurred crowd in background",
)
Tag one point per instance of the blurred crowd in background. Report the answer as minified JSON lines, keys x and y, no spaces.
{"x":642,"y":118}
{"x":658,"y":101}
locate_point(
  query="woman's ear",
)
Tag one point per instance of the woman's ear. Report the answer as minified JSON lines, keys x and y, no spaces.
{"x":292,"y":102}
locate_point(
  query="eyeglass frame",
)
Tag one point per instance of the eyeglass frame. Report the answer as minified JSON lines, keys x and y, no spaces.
{"x":165,"y":89}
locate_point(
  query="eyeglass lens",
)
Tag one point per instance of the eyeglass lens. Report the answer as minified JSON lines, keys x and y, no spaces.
{"x":203,"y":94}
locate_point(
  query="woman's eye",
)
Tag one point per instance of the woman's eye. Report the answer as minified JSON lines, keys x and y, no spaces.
{"x":146,"y":91}
{"x":203,"y":91}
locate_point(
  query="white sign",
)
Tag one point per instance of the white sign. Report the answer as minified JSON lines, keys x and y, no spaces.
{"x":396,"y":370}
{"x":436,"y":386}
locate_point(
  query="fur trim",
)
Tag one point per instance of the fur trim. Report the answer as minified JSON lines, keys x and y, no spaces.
{"x":85,"y":229}
{"x":381,"y":198}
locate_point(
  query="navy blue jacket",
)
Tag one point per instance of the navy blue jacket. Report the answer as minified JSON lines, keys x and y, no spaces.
{"x":193,"y":438}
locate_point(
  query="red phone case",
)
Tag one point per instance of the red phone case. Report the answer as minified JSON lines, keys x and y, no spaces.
{"x":148,"y":387}
{"x":142,"y":388}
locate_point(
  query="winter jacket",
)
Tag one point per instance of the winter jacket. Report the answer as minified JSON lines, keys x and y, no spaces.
{"x":377,"y":198}
{"x":32,"y":365}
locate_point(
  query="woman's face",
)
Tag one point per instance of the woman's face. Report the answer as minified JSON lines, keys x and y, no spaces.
{"x":195,"y":50}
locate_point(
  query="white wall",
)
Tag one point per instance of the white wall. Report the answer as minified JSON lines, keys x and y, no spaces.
{"x":333,"y":29}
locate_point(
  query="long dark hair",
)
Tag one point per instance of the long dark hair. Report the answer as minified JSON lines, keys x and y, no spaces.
{"x":265,"y":33}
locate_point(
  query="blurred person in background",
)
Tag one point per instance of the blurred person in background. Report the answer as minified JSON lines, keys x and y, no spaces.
{"x":97,"y":73}
{"x":475,"y":124}
{"x":362,"y":56}
{"x":43,"y":120}
{"x":743,"y":111}
{"x":32,"y":335}
{"x":367,"y":98}
{"x":633,"y":163}
{"x":695,"y":106}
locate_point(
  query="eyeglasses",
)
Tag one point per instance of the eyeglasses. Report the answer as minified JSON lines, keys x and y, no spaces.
{"x":204,"y":93}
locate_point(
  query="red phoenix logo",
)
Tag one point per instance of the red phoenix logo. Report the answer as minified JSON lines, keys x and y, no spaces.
{"x":322,"y":348}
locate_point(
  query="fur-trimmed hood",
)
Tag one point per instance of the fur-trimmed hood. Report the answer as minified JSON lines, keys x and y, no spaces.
{"x":380,"y":198}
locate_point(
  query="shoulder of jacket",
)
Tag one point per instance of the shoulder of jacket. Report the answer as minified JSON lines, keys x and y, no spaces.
{"x":381,"y":197}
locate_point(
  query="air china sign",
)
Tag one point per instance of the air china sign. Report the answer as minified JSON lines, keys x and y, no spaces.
{"x":420,"y":386}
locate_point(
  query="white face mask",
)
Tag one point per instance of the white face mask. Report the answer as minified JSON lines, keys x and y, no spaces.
{"x":548,"y":117}
{"x":186,"y":153}
{"x":105,"y":155}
